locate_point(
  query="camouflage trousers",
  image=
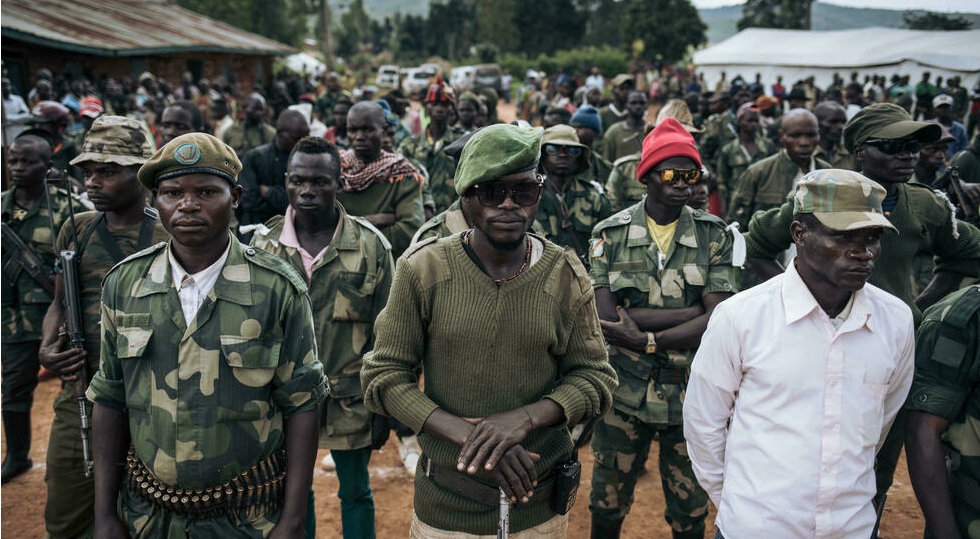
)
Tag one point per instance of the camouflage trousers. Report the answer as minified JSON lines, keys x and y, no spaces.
{"x":69,"y":512}
{"x":620,"y":446}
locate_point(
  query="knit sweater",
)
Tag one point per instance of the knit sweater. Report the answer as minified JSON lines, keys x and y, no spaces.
{"x":486,"y":348}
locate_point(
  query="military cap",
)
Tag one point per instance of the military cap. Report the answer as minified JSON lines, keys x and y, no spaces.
{"x":495,"y":151}
{"x":565,"y":135}
{"x":887,"y":121}
{"x":621,"y":79}
{"x":678,"y":110}
{"x":841,"y":200}
{"x":193,"y":153}
{"x":115,"y":139}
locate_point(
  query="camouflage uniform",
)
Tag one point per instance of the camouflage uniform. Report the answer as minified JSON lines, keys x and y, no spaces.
{"x":718,"y":130}
{"x":622,"y":188}
{"x":765,"y":185}
{"x":732,"y":162}
{"x":650,"y":395}
{"x":440,"y":166}
{"x":947,"y":385}
{"x":24,"y":300}
{"x":208,"y":399}
{"x":325,"y":103}
{"x":621,"y":140}
{"x":568,"y":218}
{"x":243,"y":138}
{"x":70,"y":503}
{"x":448,"y":222}
{"x":598,"y":166}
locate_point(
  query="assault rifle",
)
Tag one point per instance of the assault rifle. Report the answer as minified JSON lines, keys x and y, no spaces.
{"x":20,"y":256}
{"x":66,"y":264}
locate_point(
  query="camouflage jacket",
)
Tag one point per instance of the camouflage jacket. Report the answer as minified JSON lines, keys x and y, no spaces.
{"x":207,"y":400}
{"x":621,"y":140}
{"x":718,"y":130}
{"x":623,"y":189}
{"x":448,"y":222}
{"x":324,"y":105}
{"x":95,"y":262}
{"x":25,"y":302}
{"x":624,"y":259}
{"x":732,"y":162}
{"x":243,"y":139}
{"x":440,"y":166}
{"x":568,"y":218}
{"x":348,"y":289}
{"x":599,"y":167}
{"x":764,"y":185}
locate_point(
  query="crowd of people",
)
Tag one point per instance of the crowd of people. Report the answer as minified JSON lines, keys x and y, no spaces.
{"x":777,"y":285}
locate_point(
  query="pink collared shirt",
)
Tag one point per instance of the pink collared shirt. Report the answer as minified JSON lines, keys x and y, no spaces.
{"x":785,"y":409}
{"x":289,"y":239}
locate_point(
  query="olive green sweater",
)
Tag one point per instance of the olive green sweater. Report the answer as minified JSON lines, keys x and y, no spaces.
{"x":486,"y":348}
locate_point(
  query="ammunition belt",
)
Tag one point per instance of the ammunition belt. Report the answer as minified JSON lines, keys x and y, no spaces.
{"x":249,"y":495}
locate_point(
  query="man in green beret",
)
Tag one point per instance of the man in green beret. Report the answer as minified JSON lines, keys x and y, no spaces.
{"x":122,"y":224}
{"x":503,"y":325}
{"x":885,"y":143}
{"x":209,"y":375}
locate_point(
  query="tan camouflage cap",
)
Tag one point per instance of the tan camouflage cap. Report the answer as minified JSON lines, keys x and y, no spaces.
{"x":114,"y":139}
{"x":565,"y":135}
{"x":193,"y":153}
{"x":841,"y":200}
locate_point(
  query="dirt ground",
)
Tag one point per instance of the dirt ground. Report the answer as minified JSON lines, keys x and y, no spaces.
{"x":22,"y":500}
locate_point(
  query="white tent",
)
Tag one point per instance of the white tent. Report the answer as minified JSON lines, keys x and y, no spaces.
{"x":798,"y":54}
{"x":304,"y":63}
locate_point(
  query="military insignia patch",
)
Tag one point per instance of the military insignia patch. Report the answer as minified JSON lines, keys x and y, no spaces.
{"x":596,"y":247}
{"x":187,"y":154}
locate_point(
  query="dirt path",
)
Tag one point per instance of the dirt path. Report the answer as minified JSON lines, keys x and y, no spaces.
{"x":21,"y":508}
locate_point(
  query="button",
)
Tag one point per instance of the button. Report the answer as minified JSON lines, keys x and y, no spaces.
{"x":250,"y":251}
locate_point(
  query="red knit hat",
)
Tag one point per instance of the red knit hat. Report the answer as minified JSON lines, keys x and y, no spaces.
{"x":668,"y":139}
{"x":440,"y":92}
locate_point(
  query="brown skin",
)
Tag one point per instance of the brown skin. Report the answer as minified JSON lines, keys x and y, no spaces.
{"x":175,"y":122}
{"x":28,"y":159}
{"x":932,"y":157}
{"x":438,"y":118}
{"x":674,"y":329}
{"x":926,"y":456}
{"x":290,"y":127}
{"x":365,"y":128}
{"x":831,"y":118}
{"x":115,"y":190}
{"x":493,"y":442}
{"x":312,"y":181}
{"x":799,"y":133}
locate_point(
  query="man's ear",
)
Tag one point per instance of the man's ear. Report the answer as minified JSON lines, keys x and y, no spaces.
{"x":798,"y":232}
{"x":236,"y":196}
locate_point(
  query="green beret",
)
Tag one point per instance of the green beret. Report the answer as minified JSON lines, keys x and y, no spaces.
{"x":193,"y":153}
{"x":495,"y":151}
{"x":887,"y":121}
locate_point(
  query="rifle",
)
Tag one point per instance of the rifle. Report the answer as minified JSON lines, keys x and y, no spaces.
{"x":22,"y":257}
{"x":66,"y":264}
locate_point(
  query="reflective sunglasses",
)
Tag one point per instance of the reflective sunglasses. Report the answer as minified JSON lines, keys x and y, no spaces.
{"x":494,"y":194}
{"x":671,"y":176}
{"x":894,"y":146}
{"x":555,"y":149}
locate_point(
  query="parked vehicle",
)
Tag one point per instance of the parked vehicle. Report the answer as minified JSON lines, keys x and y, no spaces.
{"x":460,"y":78}
{"x":486,"y":76}
{"x":387,"y":76}
{"x":416,"y":80}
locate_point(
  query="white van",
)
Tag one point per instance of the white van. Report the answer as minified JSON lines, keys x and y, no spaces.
{"x":387,"y":76}
{"x":459,"y":78}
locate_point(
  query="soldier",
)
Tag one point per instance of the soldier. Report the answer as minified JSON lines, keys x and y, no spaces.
{"x":831,"y":117}
{"x":209,"y":371}
{"x":252,"y":130}
{"x":943,"y":418}
{"x":658,"y":268}
{"x":621,"y":85}
{"x":625,"y":137}
{"x":348,"y":267}
{"x":111,"y":155}
{"x":621,"y":190}
{"x":428,"y":146}
{"x":737,"y":154}
{"x":572,"y":203}
{"x":535,"y":364}
{"x":26,"y":296}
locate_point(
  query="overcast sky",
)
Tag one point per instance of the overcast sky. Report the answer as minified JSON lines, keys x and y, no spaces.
{"x":945,"y":6}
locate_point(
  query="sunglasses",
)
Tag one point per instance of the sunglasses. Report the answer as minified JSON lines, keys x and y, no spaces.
{"x":671,"y":176}
{"x":491,"y":195}
{"x":555,"y":149}
{"x":894,"y":146}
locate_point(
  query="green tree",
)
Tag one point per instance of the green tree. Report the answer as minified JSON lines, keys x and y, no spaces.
{"x":281,"y":20}
{"x":604,"y":22}
{"x":451,"y":28}
{"x":546,"y":26}
{"x":790,"y":14}
{"x":666,"y":28}
{"x":495,"y":24}
{"x":409,"y":37}
{"x":355,"y":29}
{"x":930,"y":20}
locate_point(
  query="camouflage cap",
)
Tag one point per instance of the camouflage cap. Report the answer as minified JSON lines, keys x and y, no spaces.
{"x":887,"y":121}
{"x":114,"y":139}
{"x":841,"y":200}
{"x":565,"y":135}
{"x":193,"y":153}
{"x":495,"y":151}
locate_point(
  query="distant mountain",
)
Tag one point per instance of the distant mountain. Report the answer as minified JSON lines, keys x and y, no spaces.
{"x":721,"y":21}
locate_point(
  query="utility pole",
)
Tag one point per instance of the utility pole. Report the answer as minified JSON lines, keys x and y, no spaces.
{"x":326,"y":37}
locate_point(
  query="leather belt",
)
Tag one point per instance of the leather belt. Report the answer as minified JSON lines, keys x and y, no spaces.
{"x":475,"y":489}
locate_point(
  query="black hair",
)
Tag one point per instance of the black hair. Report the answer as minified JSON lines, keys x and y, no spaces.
{"x":197,"y":121}
{"x":316,"y":146}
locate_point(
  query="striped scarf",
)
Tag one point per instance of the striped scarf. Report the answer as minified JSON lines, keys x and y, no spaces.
{"x":356,"y":175}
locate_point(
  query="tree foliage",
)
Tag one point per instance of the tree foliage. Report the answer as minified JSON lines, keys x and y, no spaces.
{"x":930,"y":20}
{"x":281,"y":20}
{"x":665,"y":28}
{"x":789,"y":14}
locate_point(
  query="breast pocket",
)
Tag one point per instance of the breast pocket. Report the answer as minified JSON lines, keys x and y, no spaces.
{"x":630,"y":281}
{"x":874,"y":387}
{"x":252,"y":362}
{"x":133,"y":336}
{"x":354,"y":299}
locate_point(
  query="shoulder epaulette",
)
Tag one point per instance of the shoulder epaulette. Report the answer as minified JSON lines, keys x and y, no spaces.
{"x":702,"y":215}
{"x":275,"y":264}
{"x":962,"y":310}
{"x":364,"y":222}
{"x":151,"y":250}
{"x":620,"y":218}
{"x":626,"y":159}
{"x":416,"y":247}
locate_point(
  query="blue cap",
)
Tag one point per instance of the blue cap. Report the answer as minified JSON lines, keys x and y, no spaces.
{"x":587,"y":116}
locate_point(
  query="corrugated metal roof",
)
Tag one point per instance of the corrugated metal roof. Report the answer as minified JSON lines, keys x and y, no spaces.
{"x":127,"y":28}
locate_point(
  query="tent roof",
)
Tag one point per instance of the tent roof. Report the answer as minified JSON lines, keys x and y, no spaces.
{"x":127,"y":28}
{"x":862,"y":47}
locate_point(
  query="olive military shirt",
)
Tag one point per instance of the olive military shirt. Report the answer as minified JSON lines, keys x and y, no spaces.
{"x":568,"y":218}
{"x":440,"y":166}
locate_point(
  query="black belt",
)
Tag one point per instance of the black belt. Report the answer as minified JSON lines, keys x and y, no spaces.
{"x":475,"y":489}
{"x":669,"y":375}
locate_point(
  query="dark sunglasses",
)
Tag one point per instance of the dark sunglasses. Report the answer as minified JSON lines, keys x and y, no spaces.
{"x":555,"y":149}
{"x":494,"y":194}
{"x":894,"y":146}
{"x":671,"y":176}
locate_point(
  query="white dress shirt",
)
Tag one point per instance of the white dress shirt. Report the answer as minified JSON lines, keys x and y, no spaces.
{"x":193,"y":288}
{"x":784,"y":413}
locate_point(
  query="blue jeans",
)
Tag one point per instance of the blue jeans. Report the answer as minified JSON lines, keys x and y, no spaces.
{"x":356,"y":499}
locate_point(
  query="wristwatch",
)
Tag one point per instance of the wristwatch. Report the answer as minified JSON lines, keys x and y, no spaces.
{"x":651,"y":343}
